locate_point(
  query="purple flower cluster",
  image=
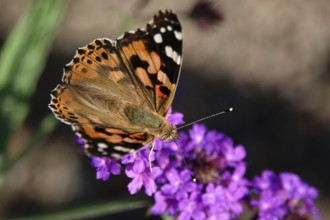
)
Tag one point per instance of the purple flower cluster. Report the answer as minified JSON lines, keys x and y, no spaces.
{"x":202,"y":176}
{"x":219,"y":171}
{"x":284,"y":196}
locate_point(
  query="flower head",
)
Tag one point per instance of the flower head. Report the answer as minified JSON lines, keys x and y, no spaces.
{"x":220,"y":184}
{"x":283,"y":196}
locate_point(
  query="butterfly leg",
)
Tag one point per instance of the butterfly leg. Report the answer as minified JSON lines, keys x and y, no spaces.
{"x":149,"y":156}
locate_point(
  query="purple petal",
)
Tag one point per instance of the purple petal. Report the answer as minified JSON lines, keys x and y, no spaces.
{"x":312,"y":192}
{"x":173,"y":177}
{"x":184,"y":216}
{"x":220,"y":215}
{"x":185,"y":175}
{"x":158,"y":144}
{"x":102,"y":173}
{"x":114,"y":168}
{"x":128,"y":158}
{"x":209,"y":197}
{"x":80,"y":141}
{"x":129,"y":172}
{"x":149,"y":185}
{"x":175,"y":118}
{"x":160,"y":204}
{"x":135,"y":185}
{"x":197,"y":133}
{"x":156,"y":171}
{"x":138,"y":165}
{"x":97,"y":161}
{"x":105,"y":166}
{"x":239,"y":172}
{"x":168,"y":189}
{"x":267,"y":180}
{"x":239,"y":153}
{"x":233,"y":154}
{"x":163,"y":159}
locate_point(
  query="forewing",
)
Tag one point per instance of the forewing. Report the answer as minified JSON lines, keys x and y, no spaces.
{"x":154,"y":54}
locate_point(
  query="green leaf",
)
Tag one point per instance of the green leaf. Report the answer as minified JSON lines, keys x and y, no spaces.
{"x":22,"y":60}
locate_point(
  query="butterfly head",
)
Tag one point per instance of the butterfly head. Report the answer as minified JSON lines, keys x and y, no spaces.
{"x":170,"y":133}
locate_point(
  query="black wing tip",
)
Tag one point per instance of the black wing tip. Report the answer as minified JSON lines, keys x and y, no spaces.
{"x":165,"y":11}
{"x":166,"y":14}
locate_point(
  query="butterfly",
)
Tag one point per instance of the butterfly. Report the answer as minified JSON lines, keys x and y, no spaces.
{"x":116,"y":94}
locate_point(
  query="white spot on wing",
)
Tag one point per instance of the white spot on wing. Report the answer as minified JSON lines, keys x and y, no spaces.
{"x":101,"y":150}
{"x":168,"y":51}
{"x":162,"y":29}
{"x":122,"y":149}
{"x":114,"y":155}
{"x":158,"y":38}
{"x":173,"y":54}
{"x":178,"y":35}
{"x":176,"y":57}
{"x":102,"y":145}
{"x":169,"y":28}
{"x":120,"y":37}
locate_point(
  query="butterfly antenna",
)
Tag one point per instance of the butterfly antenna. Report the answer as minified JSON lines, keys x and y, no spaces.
{"x":191,"y":123}
{"x":210,"y":116}
{"x":185,"y":162}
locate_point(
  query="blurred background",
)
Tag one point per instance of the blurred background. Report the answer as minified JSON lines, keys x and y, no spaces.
{"x":269,"y":60}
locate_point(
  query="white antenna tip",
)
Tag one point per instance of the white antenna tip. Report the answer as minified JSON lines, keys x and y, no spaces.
{"x":230,"y":109}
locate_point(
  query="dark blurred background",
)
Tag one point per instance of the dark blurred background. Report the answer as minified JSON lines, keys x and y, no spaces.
{"x":269,"y":60}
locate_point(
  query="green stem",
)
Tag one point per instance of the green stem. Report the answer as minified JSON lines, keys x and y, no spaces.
{"x":92,"y":211}
{"x":47,"y":125}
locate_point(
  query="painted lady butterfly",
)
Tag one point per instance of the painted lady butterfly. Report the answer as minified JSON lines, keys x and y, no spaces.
{"x":115,"y":94}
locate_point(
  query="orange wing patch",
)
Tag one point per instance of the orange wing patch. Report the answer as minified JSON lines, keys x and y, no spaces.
{"x":98,"y":58}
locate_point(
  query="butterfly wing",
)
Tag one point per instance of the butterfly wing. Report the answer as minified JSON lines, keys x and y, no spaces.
{"x":92,"y":97}
{"x":141,"y":68}
{"x":154,"y":53}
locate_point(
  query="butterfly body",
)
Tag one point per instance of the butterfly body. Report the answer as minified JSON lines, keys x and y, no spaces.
{"x":116,"y":94}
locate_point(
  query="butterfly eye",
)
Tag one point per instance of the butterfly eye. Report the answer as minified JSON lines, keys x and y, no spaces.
{"x":166,"y":137}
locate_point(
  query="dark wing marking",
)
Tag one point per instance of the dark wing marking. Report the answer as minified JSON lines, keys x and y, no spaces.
{"x":154,"y":53}
{"x":110,"y":142}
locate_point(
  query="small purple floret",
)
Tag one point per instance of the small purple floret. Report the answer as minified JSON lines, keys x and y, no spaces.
{"x":105,"y":167}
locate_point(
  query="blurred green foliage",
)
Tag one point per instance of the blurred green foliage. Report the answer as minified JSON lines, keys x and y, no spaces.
{"x":22,"y":59}
{"x":94,"y":211}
